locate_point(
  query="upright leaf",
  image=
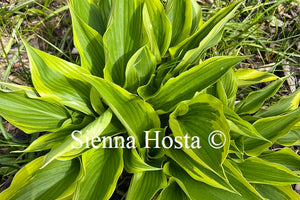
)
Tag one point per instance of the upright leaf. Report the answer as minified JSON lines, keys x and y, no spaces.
{"x":229,"y":83}
{"x":240,"y":127}
{"x":139,"y":69}
{"x":208,"y":38}
{"x":133,"y":163}
{"x":91,"y":14}
{"x":123,"y":38}
{"x":158,"y":27}
{"x":180,"y":15}
{"x":197,"y":17}
{"x":193,"y":41}
{"x":89,"y":44}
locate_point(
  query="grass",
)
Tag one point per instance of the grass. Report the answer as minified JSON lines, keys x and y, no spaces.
{"x":268,"y":30}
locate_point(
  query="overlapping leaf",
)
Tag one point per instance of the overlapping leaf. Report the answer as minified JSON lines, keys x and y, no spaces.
{"x":180,"y":15}
{"x":255,"y":99}
{"x":283,"y":106}
{"x":199,"y":117}
{"x":144,"y":185}
{"x":197,"y":190}
{"x":102,"y":168}
{"x":185,"y":85}
{"x":137,"y":116}
{"x":271,"y":128}
{"x":59,"y":80}
{"x":194,"y":40}
{"x":89,"y":44}
{"x":257,"y":170}
{"x":139,"y":69}
{"x":158,"y":28}
{"x":55,"y":181}
{"x":95,"y":16}
{"x":31,"y":115}
{"x":172,"y":192}
{"x":123,"y":37}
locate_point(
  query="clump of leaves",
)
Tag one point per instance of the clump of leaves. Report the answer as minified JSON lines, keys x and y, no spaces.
{"x":142,"y":72}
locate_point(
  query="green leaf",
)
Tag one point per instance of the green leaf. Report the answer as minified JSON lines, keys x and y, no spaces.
{"x":58,"y":80}
{"x":286,"y":157}
{"x":144,"y":185}
{"x":240,"y":127}
{"x":96,"y":102}
{"x":199,"y":118}
{"x":254,"y":170}
{"x":241,"y":185}
{"x":197,"y":190}
{"x":158,"y":28}
{"x":30,"y":92}
{"x":123,"y":38}
{"x":102,"y":168}
{"x":283,"y":106}
{"x":255,"y":99}
{"x":198,"y":171}
{"x":137,"y":116}
{"x":31,"y":115}
{"x":45,"y":142}
{"x":180,"y":15}
{"x":71,"y":145}
{"x":55,"y":181}
{"x":89,"y":44}
{"x":182,"y":88}
{"x":271,"y":128}
{"x":139,"y":69}
{"x":217,"y":90}
{"x":291,"y":138}
{"x":94,"y":16}
{"x":134,"y":163}
{"x":209,"y":39}
{"x":50,"y":140}
{"x":229,"y":83}
{"x":251,"y":76}
{"x":273,"y":192}
{"x":194,"y":40}
{"x":172,"y":192}
{"x":197,"y":17}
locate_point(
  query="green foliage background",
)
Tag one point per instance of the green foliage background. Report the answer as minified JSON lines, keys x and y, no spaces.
{"x":145,"y":66}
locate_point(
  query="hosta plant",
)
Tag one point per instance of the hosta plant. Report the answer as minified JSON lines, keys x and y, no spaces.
{"x":149,"y":104}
